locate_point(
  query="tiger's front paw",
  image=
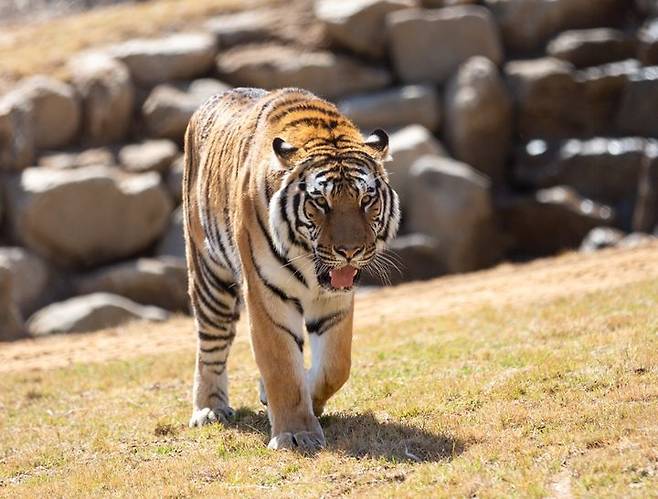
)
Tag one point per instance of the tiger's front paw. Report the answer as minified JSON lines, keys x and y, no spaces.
{"x":206,"y":415}
{"x":304,"y":441}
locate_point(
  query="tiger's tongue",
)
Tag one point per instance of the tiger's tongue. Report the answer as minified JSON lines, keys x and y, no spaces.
{"x":343,"y":277}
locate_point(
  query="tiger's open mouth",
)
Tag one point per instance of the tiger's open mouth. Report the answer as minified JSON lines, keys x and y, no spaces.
{"x":342,"y":278}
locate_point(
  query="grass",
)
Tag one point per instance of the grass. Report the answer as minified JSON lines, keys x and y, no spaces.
{"x":558,"y":398}
{"x":44,"y":48}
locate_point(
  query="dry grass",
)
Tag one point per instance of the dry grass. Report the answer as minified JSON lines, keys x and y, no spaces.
{"x":558,"y":398}
{"x":45,"y":47}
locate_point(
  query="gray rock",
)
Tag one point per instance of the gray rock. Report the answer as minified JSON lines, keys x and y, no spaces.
{"x":637,"y":112}
{"x":31,"y":277}
{"x":181,"y":56}
{"x":168,"y":108}
{"x":592,"y":47}
{"x":89,"y":215}
{"x":452,"y":202}
{"x":238,"y":28}
{"x":55,"y":110}
{"x":149,"y":281}
{"x":151,"y":155}
{"x":173,"y":241}
{"x":433,"y":4}
{"x":479,"y":118}
{"x":175,"y":179}
{"x":636,"y":239}
{"x":275,"y":66}
{"x":11,"y":323}
{"x":551,"y":220}
{"x":393,"y":108}
{"x":76,"y":159}
{"x":17,"y":131}
{"x":599,"y":238}
{"x":90,"y":313}
{"x":647,"y":38}
{"x":527,"y":24}
{"x":429,"y":45}
{"x":108,"y":95}
{"x":408,"y":145}
{"x":357,"y":25}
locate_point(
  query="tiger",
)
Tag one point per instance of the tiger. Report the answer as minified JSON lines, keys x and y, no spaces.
{"x":285,"y":204}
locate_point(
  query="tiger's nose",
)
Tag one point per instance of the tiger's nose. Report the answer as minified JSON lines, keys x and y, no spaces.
{"x":349,"y":252}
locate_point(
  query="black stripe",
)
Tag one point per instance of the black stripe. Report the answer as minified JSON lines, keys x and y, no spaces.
{"x":298,"y":340}
{"x":215,"y":349}
{"x":278,"y":116}
{"x":203,"y":336}
{"x":213,"y":362}
{"x":323,"y":324}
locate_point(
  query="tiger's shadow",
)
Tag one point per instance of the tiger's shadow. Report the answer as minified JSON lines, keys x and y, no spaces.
{"x":361,"y":435}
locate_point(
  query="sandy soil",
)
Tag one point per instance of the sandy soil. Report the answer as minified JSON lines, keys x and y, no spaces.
{"x":547,"y":279}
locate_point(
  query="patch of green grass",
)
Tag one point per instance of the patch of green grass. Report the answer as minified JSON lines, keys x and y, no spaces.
{"x":510,"y":401}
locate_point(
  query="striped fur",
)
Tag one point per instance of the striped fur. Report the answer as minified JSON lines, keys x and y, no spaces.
{"x":279,"y":189}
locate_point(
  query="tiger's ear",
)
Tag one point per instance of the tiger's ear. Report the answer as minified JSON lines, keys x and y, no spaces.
{"x":378,"y":141}
{"x":283,"y":150}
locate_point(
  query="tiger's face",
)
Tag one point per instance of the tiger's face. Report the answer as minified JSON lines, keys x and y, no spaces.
{"x":340,"y":210}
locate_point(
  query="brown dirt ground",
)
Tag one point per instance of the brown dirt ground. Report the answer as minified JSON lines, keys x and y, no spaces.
{"x":571,"y":274}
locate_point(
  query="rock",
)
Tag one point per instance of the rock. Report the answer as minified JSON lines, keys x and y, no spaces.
{"x":239,"y":28}
{"x":114,"y":214}
{"x":433,"y":4}
{"x":175,"y":179}
{"x":275,"y":66}
{"x":55,"y":111}
{"x":555,"y":101}
{"x":151,"y":155}
{"x":636,"y":239}
{"x":647,"y":38}
{"x":31,"y":278}
{"x":429,"y":45}
{"x":605,"y":170}
{"x":645,"y":211}
{"x":357,"y":25}
{"x":108,"y":95}
{"x":11,"y":323}
{"x":599,"y":238}
{"x":181,"y":56}
{"x":479,"y":118}
{"x":637,"y":112}
{"x":149,"y":281}
{"x":647,"y":7}
{"x":90,"y":313}
{"x":451,"y":202}
{"x":591,"y":47}
{"x":393,"y":108}
{"x":173,"y":242}
{"x":406,"y":146}
{"x":416,"y":257}
{"x":527,"y":24}
{"x":551,"y":220}
{"x":76,"y":159}
{"x":16,"y":132}
{"x":168,"y":108}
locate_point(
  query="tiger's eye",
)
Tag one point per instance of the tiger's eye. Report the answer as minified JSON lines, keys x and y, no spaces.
{"x":365,"y":200}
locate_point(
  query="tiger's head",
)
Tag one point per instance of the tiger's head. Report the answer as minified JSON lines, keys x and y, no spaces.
{"x":334,"y":204}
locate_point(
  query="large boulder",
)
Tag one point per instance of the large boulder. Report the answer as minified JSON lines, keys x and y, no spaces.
{"x":550,"y":220}
{"x":161,"y":282}
{"x":647,"y":38}
{"x":77,"y":158}
{"x":275,"y":66}
{"x":16,"y":132}
{"x":478,"y":124}
{"x":181,"y":56}
{"x":592,"y":47}
{"x":55,"y":110}
{"x":429,"y":45}
{"x":247,"y":26}
{"x":90,"y":313}
{"x":408,"y":145}
{"x":174,"y":179}
{"x":605,"y":170}
{"x":89,"y":215}
{"x":637,"y":112}
{"x":452,"y":202}
{"x":395,"y":107}
{"x":168,"y":108}
{"x":11,"y":323}
{"x":31,"y":278}
{"x":599,"y":238}
{"x":527,"y":24}
{"x":150,"y":155}
{"x":173,"y":241}
{"x":357,"y":25}
{"x":108,"y":94}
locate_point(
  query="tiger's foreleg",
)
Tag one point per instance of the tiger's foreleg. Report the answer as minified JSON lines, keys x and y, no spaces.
{"x":330,"y":335}
{"x":215,"y":305}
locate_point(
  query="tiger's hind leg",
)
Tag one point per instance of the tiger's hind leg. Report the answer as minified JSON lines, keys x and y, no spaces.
{"x":215,"y":304}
